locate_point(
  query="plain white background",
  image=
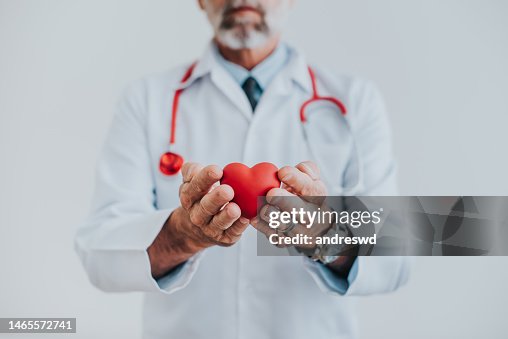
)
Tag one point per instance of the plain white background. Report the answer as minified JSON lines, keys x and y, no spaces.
{"x":442,"y":65}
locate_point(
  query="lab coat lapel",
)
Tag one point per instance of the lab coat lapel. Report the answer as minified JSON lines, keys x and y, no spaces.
{"x":220,"y":78}
{"x":276,"y":121}
{"x":282,"y":86}
{"x":296,"y":70}
{"x":227,"y":85}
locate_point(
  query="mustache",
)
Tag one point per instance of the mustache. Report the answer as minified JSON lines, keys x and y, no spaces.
{"x":229,"y":21}
{"x":232,"y":5}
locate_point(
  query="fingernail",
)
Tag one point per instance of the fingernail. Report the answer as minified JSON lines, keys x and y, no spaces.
{"x":269,"y":198}
{"x":244,"y":220}
{"x":231,"y":212}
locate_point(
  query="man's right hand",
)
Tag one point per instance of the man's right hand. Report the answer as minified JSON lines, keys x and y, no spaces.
{"x":205,"y":218}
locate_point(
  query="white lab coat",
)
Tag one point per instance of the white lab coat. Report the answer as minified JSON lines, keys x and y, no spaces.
{"x":232,"y":292}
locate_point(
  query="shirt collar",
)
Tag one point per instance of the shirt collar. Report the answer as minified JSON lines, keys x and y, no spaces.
{"x":296,"y":67}
{"x":263,"y":73}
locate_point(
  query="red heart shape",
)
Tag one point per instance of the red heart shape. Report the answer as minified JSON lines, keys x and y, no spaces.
{"x":250,"y":183}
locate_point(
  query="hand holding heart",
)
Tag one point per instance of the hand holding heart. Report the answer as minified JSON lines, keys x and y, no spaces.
{"x":216,"y":204}
{"x":301,"y":187}
{"x":206,"y":217}
{"x":209,"y":215}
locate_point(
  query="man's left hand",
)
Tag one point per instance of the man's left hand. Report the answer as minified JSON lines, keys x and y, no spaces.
{"x":302,"y":188}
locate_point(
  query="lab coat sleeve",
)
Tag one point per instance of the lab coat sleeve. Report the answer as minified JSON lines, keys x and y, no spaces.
{"x":123,"y":222}
{"x":369,"y":122}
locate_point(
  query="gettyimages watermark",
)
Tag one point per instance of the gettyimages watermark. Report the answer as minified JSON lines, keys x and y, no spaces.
{"x":384,"y":226}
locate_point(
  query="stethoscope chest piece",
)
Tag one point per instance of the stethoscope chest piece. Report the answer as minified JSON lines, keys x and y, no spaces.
{"x":170,"y":163}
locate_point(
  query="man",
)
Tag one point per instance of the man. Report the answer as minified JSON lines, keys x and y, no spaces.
{"x":181,"y":239}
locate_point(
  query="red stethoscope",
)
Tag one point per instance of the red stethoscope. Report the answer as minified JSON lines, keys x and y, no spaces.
{"x":171,"y":163}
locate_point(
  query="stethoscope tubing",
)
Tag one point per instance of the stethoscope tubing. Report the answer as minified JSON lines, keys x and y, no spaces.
{"x":167,"y":167}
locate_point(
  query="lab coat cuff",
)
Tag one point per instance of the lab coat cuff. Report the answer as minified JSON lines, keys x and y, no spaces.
{"x":378,"y":275}
{"x":327,"y":280}
{"x":117,"y":259}
{"x":180,"y":276}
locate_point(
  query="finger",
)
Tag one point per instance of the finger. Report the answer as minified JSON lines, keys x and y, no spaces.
{"x":212,"y":203}
{"x":287,"y":188}
{"x":225,"y":218}
{"x":189,"y":170}
{"x":300,"y":182}
{"x":284,"y":200}
{"x":199,"y":185}
{"x":270,"y":214}
{"x":264,"y":228}
{"x":236,"y":230}
{"x":288,"y":202}
{"x":310,"y":168}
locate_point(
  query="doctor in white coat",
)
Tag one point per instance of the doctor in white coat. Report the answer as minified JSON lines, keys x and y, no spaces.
{"x":169,"y":236}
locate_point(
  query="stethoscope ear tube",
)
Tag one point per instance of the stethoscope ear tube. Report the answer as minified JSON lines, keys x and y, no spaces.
{"x":316,"y":97}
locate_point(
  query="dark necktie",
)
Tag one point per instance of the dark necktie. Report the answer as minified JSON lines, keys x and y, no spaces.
{"x":253,"y":91}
